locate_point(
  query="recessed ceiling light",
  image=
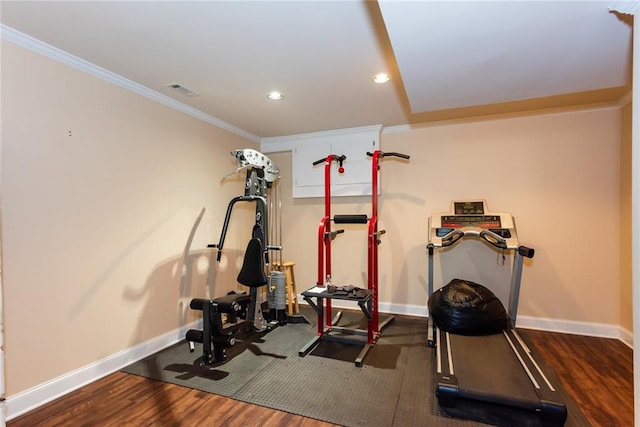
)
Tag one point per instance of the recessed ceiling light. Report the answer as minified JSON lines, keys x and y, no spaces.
{"x":381,"y":78}
{"x":275,"y":95}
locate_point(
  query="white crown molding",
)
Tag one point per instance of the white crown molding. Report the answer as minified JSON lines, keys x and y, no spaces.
{"x":37,"y":46}
{"x":289,"y":142}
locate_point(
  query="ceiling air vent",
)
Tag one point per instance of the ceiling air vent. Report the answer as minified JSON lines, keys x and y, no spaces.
{"x":182,"y":89}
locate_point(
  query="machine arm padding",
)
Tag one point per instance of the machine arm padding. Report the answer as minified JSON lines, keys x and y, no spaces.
{"x":350,"y":219}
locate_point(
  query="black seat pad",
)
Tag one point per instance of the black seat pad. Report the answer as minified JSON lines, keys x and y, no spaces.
{"x":239,"y":298}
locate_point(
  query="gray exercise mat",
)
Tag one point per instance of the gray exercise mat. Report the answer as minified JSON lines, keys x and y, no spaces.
{"x":394,"y":387}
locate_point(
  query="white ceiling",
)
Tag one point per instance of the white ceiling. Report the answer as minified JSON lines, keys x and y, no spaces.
{"x":513,"y":50}
{"x":448,"y":59}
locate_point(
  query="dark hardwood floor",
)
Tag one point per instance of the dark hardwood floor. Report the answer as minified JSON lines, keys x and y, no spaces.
{"x":122,"y":399}
{"x":596,"y":372}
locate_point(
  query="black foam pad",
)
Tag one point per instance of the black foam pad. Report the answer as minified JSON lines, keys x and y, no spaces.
{"x":252,"y":271}
{"x":350,"y":219}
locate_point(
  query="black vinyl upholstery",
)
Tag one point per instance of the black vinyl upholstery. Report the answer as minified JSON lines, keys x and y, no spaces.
{"x":252,"y":272}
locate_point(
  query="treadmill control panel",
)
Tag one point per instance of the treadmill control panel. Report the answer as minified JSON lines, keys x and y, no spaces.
{"x":472,"y":218}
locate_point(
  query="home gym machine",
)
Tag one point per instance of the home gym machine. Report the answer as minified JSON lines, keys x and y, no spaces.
{"x":320,"y":296}
{"x":261,"y":174}
{"x":491,"y":366}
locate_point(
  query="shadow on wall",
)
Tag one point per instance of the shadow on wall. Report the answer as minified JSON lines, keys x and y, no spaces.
{"x":173,"y":284}
{"x":103,"y":279}
{"x":169,"y":290}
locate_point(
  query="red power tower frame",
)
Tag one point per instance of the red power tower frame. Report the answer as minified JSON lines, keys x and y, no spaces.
{"x":320,"y":297}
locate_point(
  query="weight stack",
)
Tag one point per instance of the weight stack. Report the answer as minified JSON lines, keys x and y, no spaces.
{"x":277,"y":298}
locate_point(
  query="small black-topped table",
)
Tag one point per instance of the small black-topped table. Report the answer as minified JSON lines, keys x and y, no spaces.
{"x":316,"y":296}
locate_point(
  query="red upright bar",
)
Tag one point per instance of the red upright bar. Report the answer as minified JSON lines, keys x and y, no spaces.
{"x":368,"y":302}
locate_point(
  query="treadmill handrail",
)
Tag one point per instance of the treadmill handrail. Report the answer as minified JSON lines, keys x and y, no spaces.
{"x":452,"y":237}
{"x":489,"y":236}
{"x":494,"y":239}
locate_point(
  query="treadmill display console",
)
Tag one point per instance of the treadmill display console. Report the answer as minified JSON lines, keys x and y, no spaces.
{"x":482,"y":221}
{"x":470,"y":218}
{"x":468,"y":208}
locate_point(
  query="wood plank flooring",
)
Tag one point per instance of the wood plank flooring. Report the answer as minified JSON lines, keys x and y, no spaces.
{"x":122,"y":399}
{"x":596,"y":372}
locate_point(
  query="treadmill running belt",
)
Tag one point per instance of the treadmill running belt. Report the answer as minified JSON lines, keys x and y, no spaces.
{"x":488,"y":370}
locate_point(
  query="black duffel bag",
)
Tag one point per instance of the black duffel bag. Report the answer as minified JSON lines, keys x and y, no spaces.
{"x":466,"y":308}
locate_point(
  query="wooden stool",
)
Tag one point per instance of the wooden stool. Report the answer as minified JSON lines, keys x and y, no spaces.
{"x":292,"y":295}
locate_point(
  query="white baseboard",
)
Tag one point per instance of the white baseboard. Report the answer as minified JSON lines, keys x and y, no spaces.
{"x":404,"y":309}
{"x":34,"y":397}
{"x":626,"y":336}
{"x":578,"y":328}
{"x":525,"y":322}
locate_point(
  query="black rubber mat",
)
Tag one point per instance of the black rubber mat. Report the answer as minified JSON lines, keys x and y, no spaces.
{"x":394,"y":387}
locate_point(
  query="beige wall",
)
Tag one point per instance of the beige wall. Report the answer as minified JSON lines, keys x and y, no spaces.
{"x":95,"y":222}
{"x":101,"y":189}
{"x":626,"y":288}
{"x":558,"y":174}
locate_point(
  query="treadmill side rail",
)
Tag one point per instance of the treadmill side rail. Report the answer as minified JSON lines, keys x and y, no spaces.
{"x":553,"y":411}
{"x":447,"y":389}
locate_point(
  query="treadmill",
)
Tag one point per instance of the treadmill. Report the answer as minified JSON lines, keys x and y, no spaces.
{"x":496,"y":369}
